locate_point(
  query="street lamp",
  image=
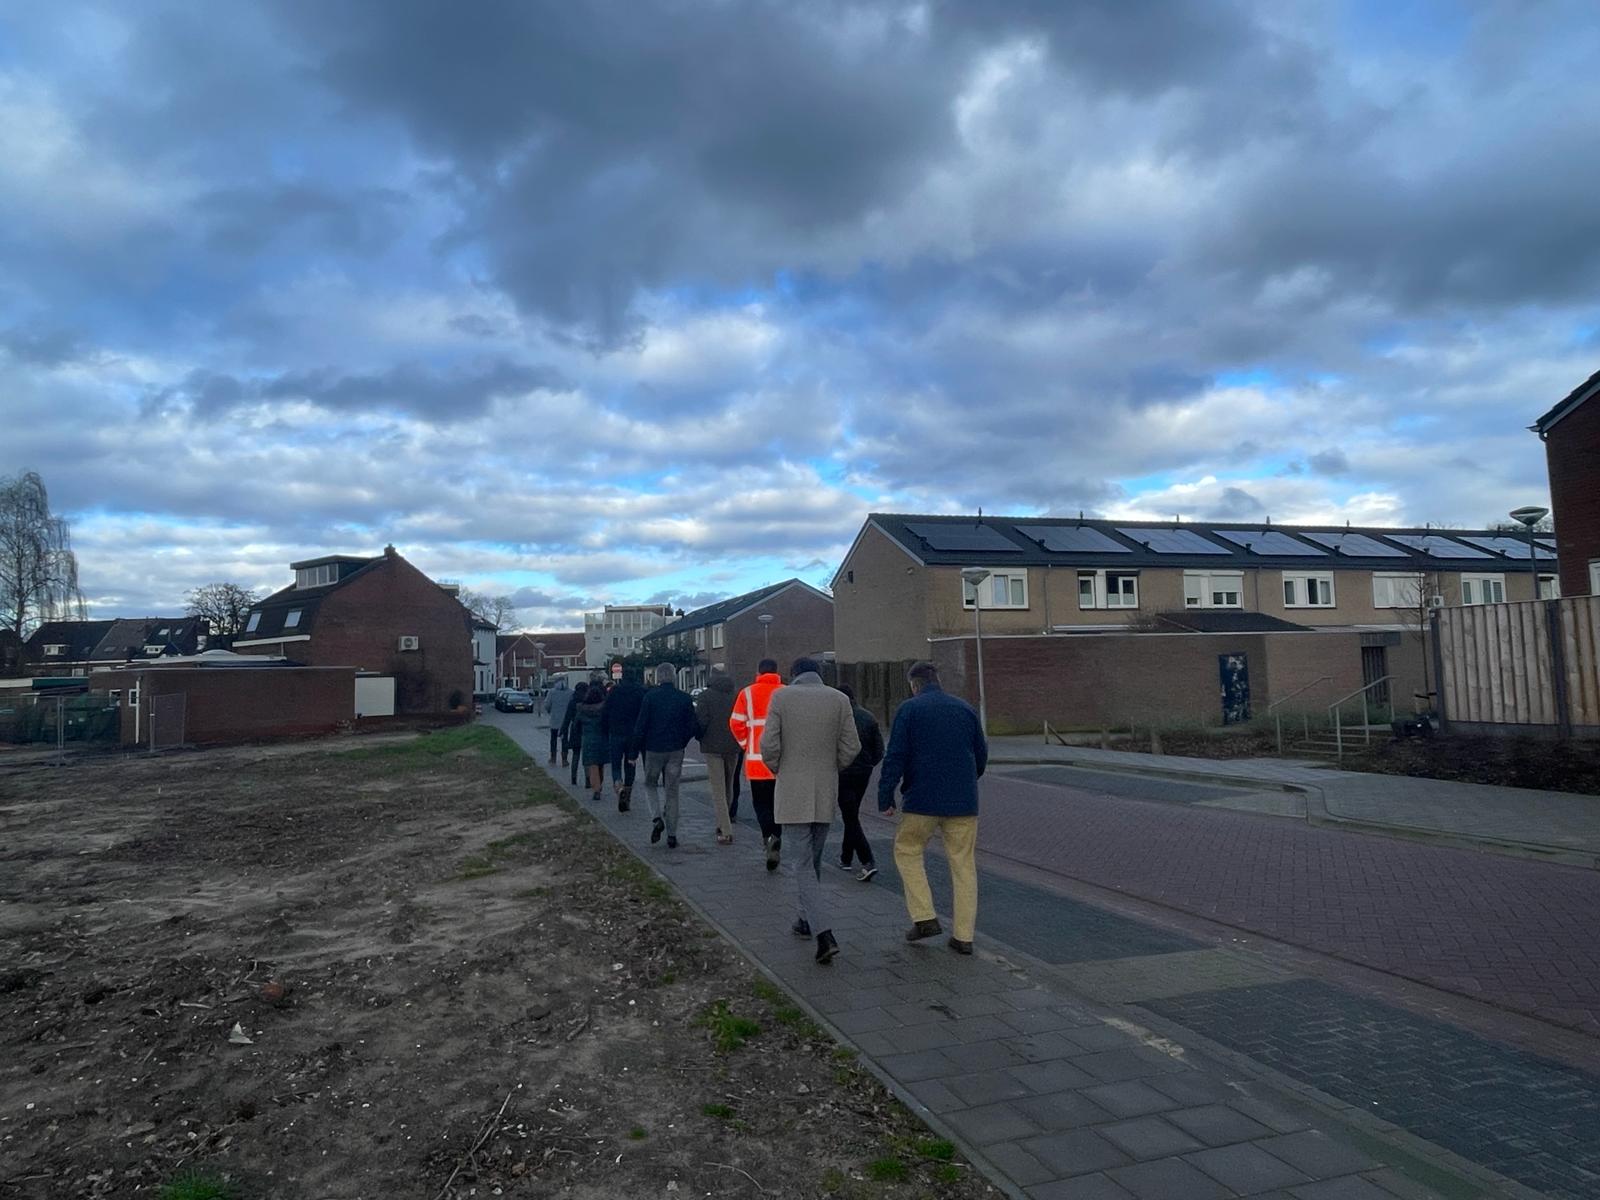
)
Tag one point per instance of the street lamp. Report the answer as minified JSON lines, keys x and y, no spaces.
{"x":766,"y":620}
{"x":975,"y":576}
{"x":1529,"y":516}
{"x":539,"y":650}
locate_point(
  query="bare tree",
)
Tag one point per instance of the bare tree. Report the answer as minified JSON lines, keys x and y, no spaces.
{"x":497,"y":610}
{"x":225,"y":605}
{"x":38,"y":570}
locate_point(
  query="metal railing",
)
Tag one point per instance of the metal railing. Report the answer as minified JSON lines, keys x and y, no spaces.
{"x":1366,"y":715}
{"x":1277,"y":717}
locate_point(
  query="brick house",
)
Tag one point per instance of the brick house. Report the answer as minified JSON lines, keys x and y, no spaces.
{"x":380,"y":615}
{"x":521,"y":660}
{"x":1571,"y":435}
{"x":731,"y":633}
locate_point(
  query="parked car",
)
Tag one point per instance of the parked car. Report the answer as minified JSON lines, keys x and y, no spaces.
{"x":513,"y":701}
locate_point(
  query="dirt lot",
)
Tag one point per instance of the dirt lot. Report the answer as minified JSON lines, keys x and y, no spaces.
{"x":353,"y":968}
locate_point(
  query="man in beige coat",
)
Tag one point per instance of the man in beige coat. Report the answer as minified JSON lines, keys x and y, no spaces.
{"x":810,"y":736}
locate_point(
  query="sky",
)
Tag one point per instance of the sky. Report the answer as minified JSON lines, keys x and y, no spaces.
{"x":654,"y":300}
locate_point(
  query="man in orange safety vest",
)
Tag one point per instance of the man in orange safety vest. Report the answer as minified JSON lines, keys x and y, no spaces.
{"x":748,"y":719}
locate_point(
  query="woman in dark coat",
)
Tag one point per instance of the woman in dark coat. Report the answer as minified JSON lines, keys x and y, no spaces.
{"x":591,"y":736}
{"x":853,"y":782}
{"x":571,"y":731}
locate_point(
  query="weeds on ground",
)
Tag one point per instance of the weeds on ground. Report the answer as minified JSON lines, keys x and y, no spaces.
{"x":886,"y":1170}
{"x":196,"y":1185}
{"x":476,"y":866}
{"x":482,"y":741}
{"x":722,"y":1111}
{"x":728,"y":1029}
{"x":637,"y":1134}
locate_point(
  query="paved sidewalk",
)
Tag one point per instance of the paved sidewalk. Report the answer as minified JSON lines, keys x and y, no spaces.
{"x":1559,"y":825}
{"x":1053,"y":1097}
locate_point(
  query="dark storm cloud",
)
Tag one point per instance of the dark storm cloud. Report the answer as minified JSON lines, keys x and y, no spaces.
{"x":242,"y":220}
{"x":1329,"y":462}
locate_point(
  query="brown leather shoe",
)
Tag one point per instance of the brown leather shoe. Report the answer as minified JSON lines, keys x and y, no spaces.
{"x":960,"y":947}
{"x":924,"y":929}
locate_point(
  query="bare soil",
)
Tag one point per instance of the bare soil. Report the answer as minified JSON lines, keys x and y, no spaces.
{"x":340,"y":969}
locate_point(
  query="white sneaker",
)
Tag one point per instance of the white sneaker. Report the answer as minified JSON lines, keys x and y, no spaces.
{"x":843,"y":866}
{"x":866,"y":873}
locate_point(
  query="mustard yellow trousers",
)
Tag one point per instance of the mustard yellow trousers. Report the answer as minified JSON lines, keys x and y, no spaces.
{"x":960,"y":835}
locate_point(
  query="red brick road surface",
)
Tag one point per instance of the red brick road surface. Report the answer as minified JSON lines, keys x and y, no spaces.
{"x":1522,"y":935}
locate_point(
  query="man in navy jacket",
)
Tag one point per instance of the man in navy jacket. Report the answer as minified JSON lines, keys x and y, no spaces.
{"x":937,"y":751}
{"x":664,"y":726}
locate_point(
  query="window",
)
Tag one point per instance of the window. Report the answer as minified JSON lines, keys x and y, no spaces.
{"x":615,"y":642}
{"x":716,"y":636}
{"x":700,"y":638}
{"x":1594,"y":577}
{"x":1549,"y":587}
{"x":1212,"y":589}
{"x":293,"y":619}
{"x":1483,"y":589}
{"x":55,"y":650}
{"x":1308,"y":591}
{"x":307,"y":577}
{"x":1108,"y":589}
{"x":155,"y":649}
{"x":1396,"y":590}
{"x":1003,"y":589}
{"x":254,"y":623}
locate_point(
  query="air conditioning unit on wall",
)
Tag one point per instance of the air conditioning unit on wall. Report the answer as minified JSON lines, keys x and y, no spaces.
{"x":409,"y":641}
{"x":1435,"y":601}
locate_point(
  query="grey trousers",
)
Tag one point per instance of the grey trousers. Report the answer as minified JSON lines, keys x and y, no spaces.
{"x":811,"y":838}
{"x":663,"y":768}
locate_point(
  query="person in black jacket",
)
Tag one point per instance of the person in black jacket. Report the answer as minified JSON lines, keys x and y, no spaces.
{"x":616,"y":722}
{"x":664,"y":727}
{"x":853,"y":782}
{"x":571,"y":731}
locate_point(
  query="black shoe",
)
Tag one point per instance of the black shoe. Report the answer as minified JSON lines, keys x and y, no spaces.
{"x":624,"y":796}
{"x":827,"y":947}
{"x":595,"y":799}
{"x":801,"y":928}
{"x":774,"y":849}
{"x":672,"y":841}
{"x":924,"y":929}
{"x":960,"y":947}
{"x":658,"y":826}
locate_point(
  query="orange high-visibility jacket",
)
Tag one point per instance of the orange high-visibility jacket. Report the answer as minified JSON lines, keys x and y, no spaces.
{"x":749,"y":718}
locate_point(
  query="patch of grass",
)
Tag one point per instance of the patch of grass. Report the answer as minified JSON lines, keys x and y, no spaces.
{"x":631,"y":870}
{"x":936,"y":1148}
{"x":476,"y":867}
{"x":637,"y":1134}
{"x":480,"y":741}
{"x":788,"y":1014}
{"x":501,"y":845}
{"x":717,"y":1110}
{"x":844,"y":1053}
{"x":196,"y":1185}
{"x":844,"y":1076}
{"x":886,"y":1170}
{"x":769,"y":991}
{"x":532,"y":893}
{"x":728,"y":1029}
{"x":669,"y":977}
{"x":833,"y":1180}
{"x":948,"y":1173}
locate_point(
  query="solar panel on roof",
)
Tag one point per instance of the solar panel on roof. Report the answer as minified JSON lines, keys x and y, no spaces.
{"x":964,"y":537}
{"x":1081,"y":539}
{"x":1436,"y":545}
{"x":1356,"y":545}
{"x":1172,"y":541}
{"x":1267,"y":541}
{"x":1510,"y":546}
{"x":1544,"y":541}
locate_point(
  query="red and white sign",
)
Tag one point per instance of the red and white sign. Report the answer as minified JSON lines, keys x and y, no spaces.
{"x":616,"y":670}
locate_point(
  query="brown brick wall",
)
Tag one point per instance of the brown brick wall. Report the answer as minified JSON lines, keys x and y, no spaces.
{"x":803,"y":624}
{"x":879,"y":614}
{"x":1085,"y":682}
{"x":242,"y":704}
{"x":1572,"y":452}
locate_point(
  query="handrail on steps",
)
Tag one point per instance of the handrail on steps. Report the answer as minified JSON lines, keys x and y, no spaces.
{"x":1278,"y":717}
{"x":1366,"y":715}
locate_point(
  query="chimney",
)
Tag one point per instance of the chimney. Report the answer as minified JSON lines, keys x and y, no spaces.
{"x":390,"y":552}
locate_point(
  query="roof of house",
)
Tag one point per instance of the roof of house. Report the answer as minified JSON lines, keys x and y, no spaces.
{"x":79,"y":637}
{"x":271,"y":615}
{"x":129,"y":637}
{"x":1103,"y":544}
{"x":1588,"y":388}
{"x":1219,"y":621}
{"x":556,"y":645}
{"x":725,"y":610}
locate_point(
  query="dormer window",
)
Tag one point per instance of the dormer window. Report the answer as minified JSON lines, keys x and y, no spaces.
{"x":310,"y":577}
{"x":154,"y":651}
{"x":55,"y":651}
{"x":293,"y":619}
{"x":254,"y":623}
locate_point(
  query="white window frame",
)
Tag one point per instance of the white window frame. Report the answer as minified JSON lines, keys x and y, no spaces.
{"x":310,"y":577}
{"x":700,"y":638}
{"x":1308,"y":589}
{"x":1103,"y":595}
{"x":969,"y":594}
{"x":154,"y":649}
{"x":291,"y":620}
{"x":717,"y":636}
{"x":1482,"y":588}
{"x":1400,"y":589}
{"x":1201,"y":589}
{"x":253,"y":623}
{"x":1549,"y":587}
{"x":56,"y":650}
{"x":1594,"y":576}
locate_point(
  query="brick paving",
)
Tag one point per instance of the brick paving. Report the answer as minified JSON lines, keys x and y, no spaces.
{"x":1513,"y":933}
{"x":1036,"y":1086}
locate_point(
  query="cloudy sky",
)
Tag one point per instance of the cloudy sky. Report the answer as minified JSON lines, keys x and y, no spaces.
{"x":655,"y":298}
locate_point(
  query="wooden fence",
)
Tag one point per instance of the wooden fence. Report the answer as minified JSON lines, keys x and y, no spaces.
{"x":1532,"y":666}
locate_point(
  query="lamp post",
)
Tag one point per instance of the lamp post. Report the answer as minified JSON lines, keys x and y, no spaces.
{"x":539,"y":650}
{"x":975,"y":576}
{"x":1529,"y":516}
{"x":766,"y":620}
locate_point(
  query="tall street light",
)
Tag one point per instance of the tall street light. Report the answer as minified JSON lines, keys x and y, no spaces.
{"x":538,"y":648}
{"x":1529,"y":516}
{"x":766,"y":620}
{"x":975,"y":576}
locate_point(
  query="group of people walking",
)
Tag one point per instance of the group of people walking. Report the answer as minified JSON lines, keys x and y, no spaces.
{"x":807,"y":751}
